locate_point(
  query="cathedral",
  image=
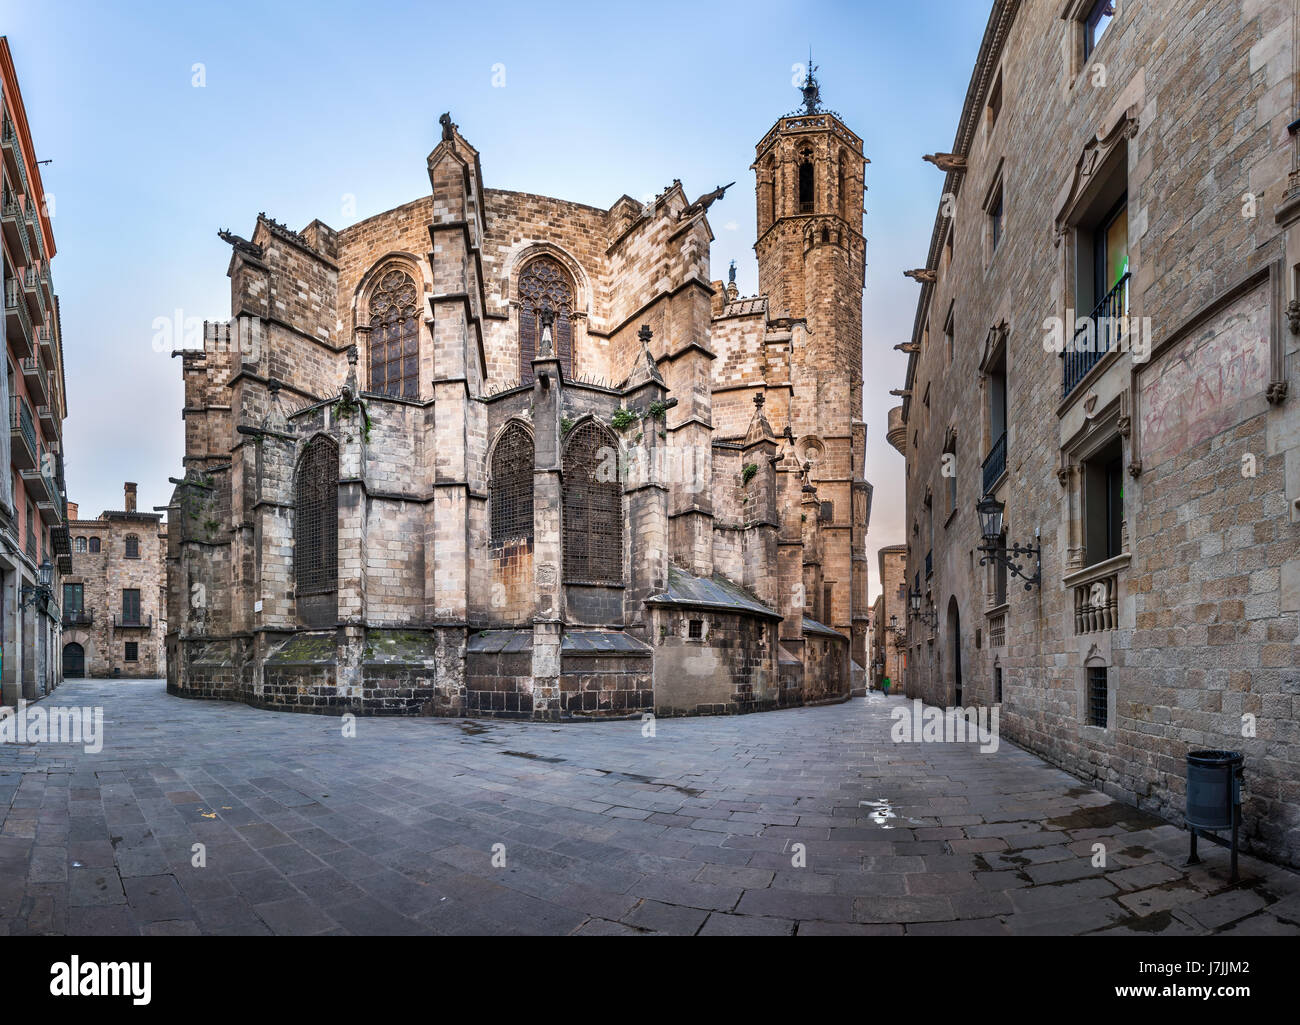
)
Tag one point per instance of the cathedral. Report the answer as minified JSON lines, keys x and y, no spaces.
{"x":495,"y":454}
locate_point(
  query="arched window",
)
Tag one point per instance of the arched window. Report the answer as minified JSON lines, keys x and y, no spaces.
{"x":80,"y":545}
{"x":593,"y":507}
{"x":545,"y":288}
{"x":806,"y":182}
{"x":511,"y":487}
{"x":94,"y":546}
{"x":316,"y":533}
{"x":394,"y":347}
{"x":132,"y":546}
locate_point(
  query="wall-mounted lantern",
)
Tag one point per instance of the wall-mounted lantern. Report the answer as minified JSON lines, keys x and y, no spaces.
{"x":994,"y":550}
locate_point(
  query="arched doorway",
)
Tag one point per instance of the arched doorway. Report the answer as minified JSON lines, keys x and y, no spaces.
{"x":74,"y":661}
{"x":954,"y":648}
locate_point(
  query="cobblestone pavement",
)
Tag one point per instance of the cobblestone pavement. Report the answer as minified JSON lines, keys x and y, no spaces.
{"x":605,"y":831}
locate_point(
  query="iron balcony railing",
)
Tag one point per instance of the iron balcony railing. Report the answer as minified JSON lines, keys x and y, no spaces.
{"x":16,"y":306}
{"x":79,"y":617}
{"x":135,"y":622}
{"x":20,"y":419}
{"x":1096,"y":335}
{"x":995,"y":464}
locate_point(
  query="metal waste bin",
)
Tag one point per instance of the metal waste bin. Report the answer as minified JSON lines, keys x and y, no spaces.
{"x":1214,"y":798}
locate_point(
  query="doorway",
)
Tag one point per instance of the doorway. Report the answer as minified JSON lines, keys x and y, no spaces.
{"x":954,"y":647}
{"x":74,"y":661}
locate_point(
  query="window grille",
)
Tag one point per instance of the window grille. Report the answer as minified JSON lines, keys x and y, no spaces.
{"x":132,"y":547}
{"x":511,"y":489}
{"x":94,"y":546}
{"x":1098,"y":694}
{"x":394,"y":346}
{"x":545,"y":287}
{"x":593,"y":507}
{"x":316,"y":524}
{"x":132,"y":653}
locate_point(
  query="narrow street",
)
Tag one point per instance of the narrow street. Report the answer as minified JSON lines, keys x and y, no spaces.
{"x":695,"y":830}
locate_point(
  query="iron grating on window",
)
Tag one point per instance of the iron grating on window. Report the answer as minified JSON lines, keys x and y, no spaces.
{"x":1098,"y":697}
{"x":593,"y":507}
{"x":511,"y":489}
{"x":316,"y":524}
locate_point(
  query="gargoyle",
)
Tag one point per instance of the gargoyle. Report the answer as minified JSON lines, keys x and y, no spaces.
{"x":925,"y":276}
{"x":702,"y":204}
{"x":946,"y":161}
{"x":242,"y":245}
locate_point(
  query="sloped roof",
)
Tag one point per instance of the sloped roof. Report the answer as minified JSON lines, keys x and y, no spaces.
{"x":602,"y":642}
{"x":493,"y":642}
{"x":811,"y":626}
{"x":716,"y":593}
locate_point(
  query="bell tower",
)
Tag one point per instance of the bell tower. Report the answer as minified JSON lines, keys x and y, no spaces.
{"x":810,"y":170}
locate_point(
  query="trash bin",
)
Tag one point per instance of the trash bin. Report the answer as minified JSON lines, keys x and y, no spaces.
{"x":1213,"y":788}
{"x":1214,"y":798}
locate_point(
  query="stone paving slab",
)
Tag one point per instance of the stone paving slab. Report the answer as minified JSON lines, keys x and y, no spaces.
{"x":212,"y":818}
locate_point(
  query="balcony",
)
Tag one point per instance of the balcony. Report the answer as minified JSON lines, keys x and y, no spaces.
{"x":47,"y":287}
{"x":1096,"y":595}
{"x":37,"y":378}
{"x":1095,"y":336}
{"x":81,"y":617}
{"x":136,"y":622}
{"x":51,"y":512}
{"x":18,"y":324}
{"x":49,"y":421}
{"x":39,"y":487}
{"x":32,"y":290}
{"x":995,"y":465}
{"x":25,"y":450}
{"x":13,"y":159}
{"x":45,"y":344}
{"x":15,"y":228}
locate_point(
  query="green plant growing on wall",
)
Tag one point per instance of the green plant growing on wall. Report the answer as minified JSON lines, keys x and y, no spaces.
{"x":658,"y":410}
{"x":748,"y":473}
{"x":566,"y":425}
{"x":623,"y":419}
{"x":343,"y":410}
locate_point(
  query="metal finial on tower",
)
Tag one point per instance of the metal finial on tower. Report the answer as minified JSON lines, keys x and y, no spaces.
{"x":812,"y":93}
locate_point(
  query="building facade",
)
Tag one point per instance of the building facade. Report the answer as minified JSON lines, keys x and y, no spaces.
{"x":1105,"y":343}
{"x":34,"y":550}
{"x":891,"y":619}
{"x":492,"y":453}
{"x":114,"y":605}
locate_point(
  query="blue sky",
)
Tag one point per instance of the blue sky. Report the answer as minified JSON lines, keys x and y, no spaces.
{"x":306,"y":104}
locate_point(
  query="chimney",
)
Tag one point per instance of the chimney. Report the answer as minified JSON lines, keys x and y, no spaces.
{"x":129,"y":489}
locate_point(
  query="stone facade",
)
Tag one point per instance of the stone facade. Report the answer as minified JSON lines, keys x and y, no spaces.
{"x":891,"y":618}
{"x":1133,"y":199}
{"x":114,"y":604}
{"x":493,"y":453}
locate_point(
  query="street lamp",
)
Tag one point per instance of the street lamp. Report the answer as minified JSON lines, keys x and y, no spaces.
{"x":990,"y":512}
{"x":38,"y":593}
{"x":929,"y":617}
